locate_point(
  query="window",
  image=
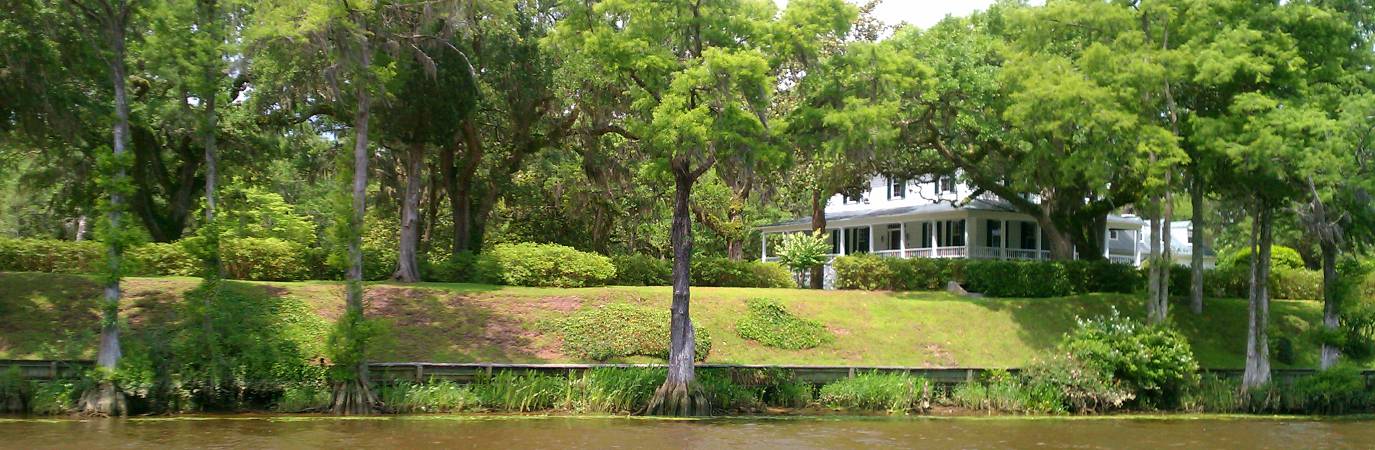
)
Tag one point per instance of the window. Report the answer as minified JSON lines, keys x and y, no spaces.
{"x":1190,"y":236}
{"x":897,"y":188}
{"x":856,"y":240}
{"x":945,"y":183}
{"x":925,"y":236}
{"x":994,"y":236}
{"x":1112,"y":235}
{"x":851,"y":200}
{"x":950,"y":233}
{"x":1028,"y":235}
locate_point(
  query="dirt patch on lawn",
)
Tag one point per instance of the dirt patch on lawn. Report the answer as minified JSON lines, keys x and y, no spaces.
{"x":938,"y":356}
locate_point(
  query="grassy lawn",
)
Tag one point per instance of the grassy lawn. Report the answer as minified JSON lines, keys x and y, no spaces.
{"x":55,"y":316}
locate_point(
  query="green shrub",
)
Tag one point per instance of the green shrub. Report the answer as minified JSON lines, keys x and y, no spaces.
{"x":521,"y":392}
{"x":615,"y":390}
{"x":1280,"y":257}
{"x":616,"y":330}
{"x":724,"y":394}
{"x":999,"y":390}
{"x":1154,"y":362}
{"x":873,"y":391}
{"x":51,"y":255}
{"x":722,"y":272}
{"x":159,"y":259}
{"x":302,"y":397}
{"x":433,"y":397}
{"x":863,"y":271}
{"x":1213,"y":394}
{"x":641,"y":270}
{"x":1063,"y":383}
{"x":264,"y":259}
{"x":457,"y":268}
{"x":1296,"y":284}
{"x":53,"y":398}
{"x":1337,"y":390}
{"x":996,"y":278}
{"x":769,"y":323}
{"x":531,"y":264}
{"x":1104,"y":276}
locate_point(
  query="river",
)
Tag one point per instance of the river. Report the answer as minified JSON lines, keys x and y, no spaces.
{"x":497,"y":432}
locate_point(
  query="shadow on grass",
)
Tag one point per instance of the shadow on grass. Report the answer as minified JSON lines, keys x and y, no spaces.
{"x":440,"y":326}
{"x":47,"y":316}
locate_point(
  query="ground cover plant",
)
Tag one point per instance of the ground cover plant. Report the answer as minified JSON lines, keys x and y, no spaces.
{"x":769,"y":323}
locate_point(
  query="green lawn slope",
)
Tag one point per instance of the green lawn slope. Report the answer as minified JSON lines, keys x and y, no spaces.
{"x":55,"y":316}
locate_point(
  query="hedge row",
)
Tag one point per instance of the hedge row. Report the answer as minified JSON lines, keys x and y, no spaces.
{"x":994,"y":278}
{"x":997,"y":278}
{"x":266,"y":259}
{"x":1235,"y":281}
{"x":640,"y":270}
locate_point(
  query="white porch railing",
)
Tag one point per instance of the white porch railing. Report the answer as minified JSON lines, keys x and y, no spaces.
{"x":1009,"y":253}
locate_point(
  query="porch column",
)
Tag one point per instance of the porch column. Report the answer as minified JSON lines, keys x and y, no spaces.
{"x":968,"y":236}
{"x":1107,"y":232}
{"x":871,"y":239}
{"x":1136,"y":248}
{"x":842,"y":241}
{"x":1038,"y":241}
{"x":763,"y":246}
{"x":934,"y":230}
{"x":902,"y":239}
{"x":1003,"y":236}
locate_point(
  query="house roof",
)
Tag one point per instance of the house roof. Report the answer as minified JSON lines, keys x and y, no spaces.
{"x":901,"y":211}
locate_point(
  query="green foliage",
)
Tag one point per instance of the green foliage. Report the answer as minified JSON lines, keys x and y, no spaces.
{"x":1213,"y":394}
{"x":1281,"y":257}
{"x":722,"y":272}
{"x":452,"y":269}
{"x":638,"y":331}
{"x":268,"y":259}
{"x":521,"y":392}
{"x":994,"y":278}
{"x":863,"y":271}
{"x":255,"y":212}
{"x":159,"y":259}
{"x":348,"y":342}
{"x":767,"y":322}
{"x":531,"y":264}
{"x":641,"y":270}
{"x":302,"y":397}
{"x":1154,"y":362}
{"x":434,"y":397}
{"x":891,"y":392}
{"x":801,"y":252}
{"x":1078,"y":386}
{"x":51,"y":255}
{"x":1337,"y":390}
{"x":999,"y":390}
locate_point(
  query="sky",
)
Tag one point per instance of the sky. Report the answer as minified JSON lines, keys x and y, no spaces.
{"x":922,"y":13}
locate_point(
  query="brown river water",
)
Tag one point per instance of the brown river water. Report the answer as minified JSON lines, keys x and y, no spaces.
{"x":492,"y":432}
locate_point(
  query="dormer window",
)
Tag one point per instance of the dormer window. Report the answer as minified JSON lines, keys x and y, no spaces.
{"x":897,"y":188}
{"x":945,"y":183}
{"x":848,"y":200}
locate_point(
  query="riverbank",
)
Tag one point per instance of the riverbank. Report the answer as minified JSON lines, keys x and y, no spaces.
{"x":525,"y":431}
{"x":53,"y":316}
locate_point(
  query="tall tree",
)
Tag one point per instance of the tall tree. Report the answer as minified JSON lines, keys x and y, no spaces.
{"x":702,"y":88}
{"x":344,"y":38}
{"x":112,"y":20}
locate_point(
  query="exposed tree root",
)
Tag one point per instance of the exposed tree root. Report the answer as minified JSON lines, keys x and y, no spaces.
{"x":103,"y":400}
{"x":679,"y":399}
{"x":353,"y":398}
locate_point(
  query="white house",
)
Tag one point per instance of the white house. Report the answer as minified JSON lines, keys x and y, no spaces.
{"x":1181,"y":244}
{"x":908,"y":219}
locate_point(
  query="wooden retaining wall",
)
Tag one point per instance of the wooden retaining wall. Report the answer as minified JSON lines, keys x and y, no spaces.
{"x":744,"y":374}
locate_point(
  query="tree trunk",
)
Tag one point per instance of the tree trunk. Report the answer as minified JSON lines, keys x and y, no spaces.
{"x":80,"y":228}
{"x":1196,"y":242}
{"x":106,"y":398}
{"x":681,"y":395}
{"x":407,"y":262}
{"x":431,"y":210}
{"x":355,"y":396}
{"x":1153,"y":284}
{"x":1331,"y":303}
{"x":818,"y":278}
{"x":1257,"y":372}
{"x":1166,"y":251}
{"x":459,"y":176}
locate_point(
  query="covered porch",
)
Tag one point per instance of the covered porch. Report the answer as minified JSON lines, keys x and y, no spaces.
{"x":952,"y":233}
